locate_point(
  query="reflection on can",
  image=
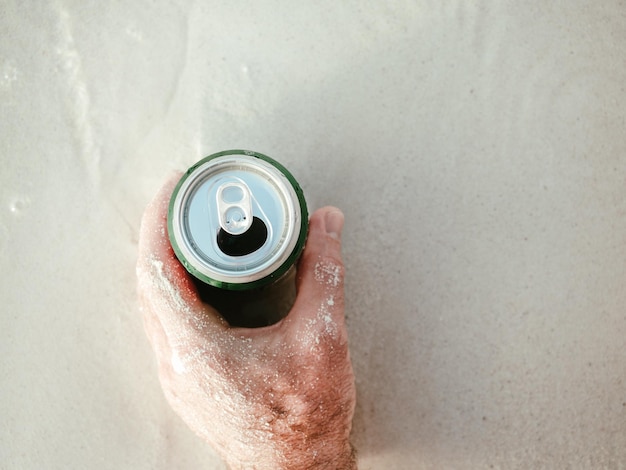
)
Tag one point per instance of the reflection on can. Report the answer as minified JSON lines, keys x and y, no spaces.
{"x":238,"y":221}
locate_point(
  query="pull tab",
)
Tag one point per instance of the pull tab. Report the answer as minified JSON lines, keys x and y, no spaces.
{"x":234,"y":207}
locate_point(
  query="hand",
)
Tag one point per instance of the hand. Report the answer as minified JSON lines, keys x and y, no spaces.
{"x":277,"y":397}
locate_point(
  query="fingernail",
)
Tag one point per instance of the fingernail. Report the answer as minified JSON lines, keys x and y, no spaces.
{"x":334,"y":223}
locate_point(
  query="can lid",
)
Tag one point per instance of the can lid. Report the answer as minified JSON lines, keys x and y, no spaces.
{"x":237,"y":220}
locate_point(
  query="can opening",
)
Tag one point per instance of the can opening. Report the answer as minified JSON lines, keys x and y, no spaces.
{"x":245,"y":243}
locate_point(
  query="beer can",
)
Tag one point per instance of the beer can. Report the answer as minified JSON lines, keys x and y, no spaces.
{"x":238,"y":221}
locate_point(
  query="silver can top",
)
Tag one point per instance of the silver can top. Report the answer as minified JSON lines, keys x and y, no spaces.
{"x":237,"y":220}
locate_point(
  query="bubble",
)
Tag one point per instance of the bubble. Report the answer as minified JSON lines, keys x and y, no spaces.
{"x":18,"y":205}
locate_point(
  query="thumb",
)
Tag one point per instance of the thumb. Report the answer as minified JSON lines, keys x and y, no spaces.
{"x":321,"y":272}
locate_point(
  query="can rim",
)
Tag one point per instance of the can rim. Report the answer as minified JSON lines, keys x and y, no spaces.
{"x":289,"y":261}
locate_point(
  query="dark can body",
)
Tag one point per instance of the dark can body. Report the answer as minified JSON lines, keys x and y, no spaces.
{"x":238,"y":222}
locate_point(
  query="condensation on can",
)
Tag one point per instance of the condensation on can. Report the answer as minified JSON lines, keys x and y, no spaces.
{"x":238,"y":222}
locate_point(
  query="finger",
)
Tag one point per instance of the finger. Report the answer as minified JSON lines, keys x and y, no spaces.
{"x":165,"y":287}
{"x":320,"y":299}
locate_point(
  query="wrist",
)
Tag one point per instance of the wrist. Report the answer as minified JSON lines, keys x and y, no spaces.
{"x":316,"y":442}
{"x":321,"y":455}
{"x":326,"y":456}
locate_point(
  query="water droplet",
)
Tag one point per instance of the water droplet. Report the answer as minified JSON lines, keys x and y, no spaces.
{"x":17,"y":205}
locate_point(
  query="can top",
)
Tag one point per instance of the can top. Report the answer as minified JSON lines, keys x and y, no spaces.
{"x":237,"y":220}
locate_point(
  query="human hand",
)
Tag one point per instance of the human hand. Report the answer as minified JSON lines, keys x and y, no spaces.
{"x":277,"y":397}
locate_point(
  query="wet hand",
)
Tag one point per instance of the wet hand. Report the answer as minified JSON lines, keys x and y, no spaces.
{"x":277,"y":397}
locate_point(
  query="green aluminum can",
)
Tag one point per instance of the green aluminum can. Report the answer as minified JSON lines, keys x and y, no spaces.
{"x":238,"y":222}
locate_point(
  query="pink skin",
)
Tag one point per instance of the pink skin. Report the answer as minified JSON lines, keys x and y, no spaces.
{"x":278,"y":397}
